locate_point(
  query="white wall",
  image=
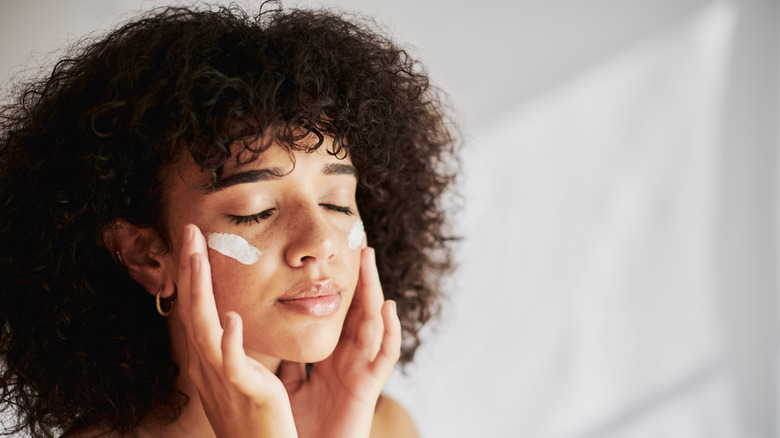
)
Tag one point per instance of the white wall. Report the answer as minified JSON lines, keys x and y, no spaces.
{"x":619,"y":267}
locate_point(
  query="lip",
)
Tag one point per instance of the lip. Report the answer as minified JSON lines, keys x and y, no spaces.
{"x":313,"y":298}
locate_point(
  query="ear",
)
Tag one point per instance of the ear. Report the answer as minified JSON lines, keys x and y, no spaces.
{"x":140,"y":251}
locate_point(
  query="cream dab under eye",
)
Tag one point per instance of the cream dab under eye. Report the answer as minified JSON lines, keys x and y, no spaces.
{"x":234,"y":247}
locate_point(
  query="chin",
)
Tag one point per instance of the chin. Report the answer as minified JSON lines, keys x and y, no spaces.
{"x":308,"y":345}
{"x":312,"y":356}
{"x":311,"y":348}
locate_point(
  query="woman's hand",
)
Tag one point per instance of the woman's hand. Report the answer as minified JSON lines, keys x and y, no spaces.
{"x":340,"y":396}
{"x":240,"y":396}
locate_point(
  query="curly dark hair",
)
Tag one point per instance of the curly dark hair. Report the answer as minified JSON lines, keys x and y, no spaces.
{"x":92,"y":141}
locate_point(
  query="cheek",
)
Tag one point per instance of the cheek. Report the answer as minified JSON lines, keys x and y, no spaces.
{"x":351,"y":260}
{"x":238,"y":264}
{"x":236,"y":285}
{"x":226,"y":271}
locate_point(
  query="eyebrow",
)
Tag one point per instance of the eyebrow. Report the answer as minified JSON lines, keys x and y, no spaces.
{"x":249,"y":176}
{"x":339,"y":169}
{"x":275,"y":173}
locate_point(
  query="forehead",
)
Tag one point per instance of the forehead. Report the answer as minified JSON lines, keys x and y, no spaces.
{"x":277,"y":155}
{"x":283,"y":160}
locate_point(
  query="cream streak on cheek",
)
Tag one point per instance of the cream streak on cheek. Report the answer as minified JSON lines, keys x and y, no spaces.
{"x":234,"y":247}
{"x":355,"y":236}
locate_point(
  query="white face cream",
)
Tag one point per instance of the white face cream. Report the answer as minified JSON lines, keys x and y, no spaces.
{"x":234,"y":247}
{"x":355,"y":236}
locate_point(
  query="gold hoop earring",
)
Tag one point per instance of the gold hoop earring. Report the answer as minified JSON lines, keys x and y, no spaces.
{"x":158,"y":301}
{"x":119,"y":257}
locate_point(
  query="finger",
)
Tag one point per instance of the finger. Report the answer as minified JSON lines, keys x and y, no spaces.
{"x":246,"y":374}
{"x":206,"y":327}
{"x":371,"y":298}
{"x":368,"y":336}
{"x":390,"y":350}
{"x":184,"y":307}
{"x":190,"y":246}
{"x":233,"y":354}
{"x":184,"y":274}
{"x":368,"y":281}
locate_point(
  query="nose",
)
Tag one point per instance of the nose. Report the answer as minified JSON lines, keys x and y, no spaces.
{"x":311,"y":239}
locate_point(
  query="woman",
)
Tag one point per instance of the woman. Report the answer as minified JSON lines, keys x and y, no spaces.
{"x":181,"y":234}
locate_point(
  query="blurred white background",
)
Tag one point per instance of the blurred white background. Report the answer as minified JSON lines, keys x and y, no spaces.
{"x":619,"y":265}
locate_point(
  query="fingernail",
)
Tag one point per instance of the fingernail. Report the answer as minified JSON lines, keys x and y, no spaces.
{"x":394,"y":306}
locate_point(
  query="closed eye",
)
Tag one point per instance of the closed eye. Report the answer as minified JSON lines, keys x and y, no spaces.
{"x":338,"y":208}
{"x":258,"y":217}
{"x":251,"y":219}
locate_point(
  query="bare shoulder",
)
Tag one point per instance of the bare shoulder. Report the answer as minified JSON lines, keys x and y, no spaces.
{"x":391,"y":420}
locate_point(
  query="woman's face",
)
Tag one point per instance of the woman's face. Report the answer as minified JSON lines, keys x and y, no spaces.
{"x":294,"y":298}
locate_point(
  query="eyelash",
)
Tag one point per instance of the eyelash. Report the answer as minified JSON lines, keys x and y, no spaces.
{"x":253,"y":218}
{"x":256,"y":218}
